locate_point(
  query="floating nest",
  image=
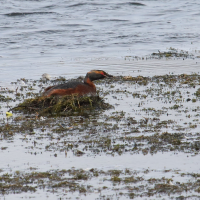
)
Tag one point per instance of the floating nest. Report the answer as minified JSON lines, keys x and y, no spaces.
{"x":61,"y":105}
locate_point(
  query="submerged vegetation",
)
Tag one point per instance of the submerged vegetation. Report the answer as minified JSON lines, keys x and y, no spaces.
{"x":172,"y":53}
{"x":146,"y":116}
{"x":125,"y":183}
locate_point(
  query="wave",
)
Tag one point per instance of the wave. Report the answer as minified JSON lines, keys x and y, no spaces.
{"x":13,"y":14}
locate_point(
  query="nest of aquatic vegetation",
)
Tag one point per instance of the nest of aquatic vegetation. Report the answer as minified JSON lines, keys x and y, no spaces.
{"x":61,"y":105}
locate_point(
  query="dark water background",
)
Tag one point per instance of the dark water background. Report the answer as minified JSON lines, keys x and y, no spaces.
{"x":62,"y":37}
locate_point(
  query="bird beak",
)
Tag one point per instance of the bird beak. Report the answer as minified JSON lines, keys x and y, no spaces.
{"x":108,"y":75}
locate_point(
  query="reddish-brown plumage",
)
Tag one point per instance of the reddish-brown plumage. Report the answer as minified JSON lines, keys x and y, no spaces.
{"x":85,"y":88}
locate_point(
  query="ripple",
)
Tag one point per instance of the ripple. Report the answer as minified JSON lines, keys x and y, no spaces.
{"x":113,"y":20}
{"x":13,"y":14}
{"x":133,"y":4}
{"x":75,"y":25}
{"x":77,"y":4}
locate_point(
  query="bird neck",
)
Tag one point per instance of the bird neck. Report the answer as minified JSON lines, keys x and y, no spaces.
{"x":89,"y":82}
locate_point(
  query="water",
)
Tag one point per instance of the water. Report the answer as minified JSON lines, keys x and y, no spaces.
{"x":51,"y":37}
{"x":69,"y":38}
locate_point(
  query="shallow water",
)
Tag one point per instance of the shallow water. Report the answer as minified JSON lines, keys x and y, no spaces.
{"x":44,"y":161}
{"x":45,"y":150}
{"x":69,"y":38}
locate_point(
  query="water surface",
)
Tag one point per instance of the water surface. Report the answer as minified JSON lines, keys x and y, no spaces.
{"x":69,"y":38}
{"x":46,"y":37}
